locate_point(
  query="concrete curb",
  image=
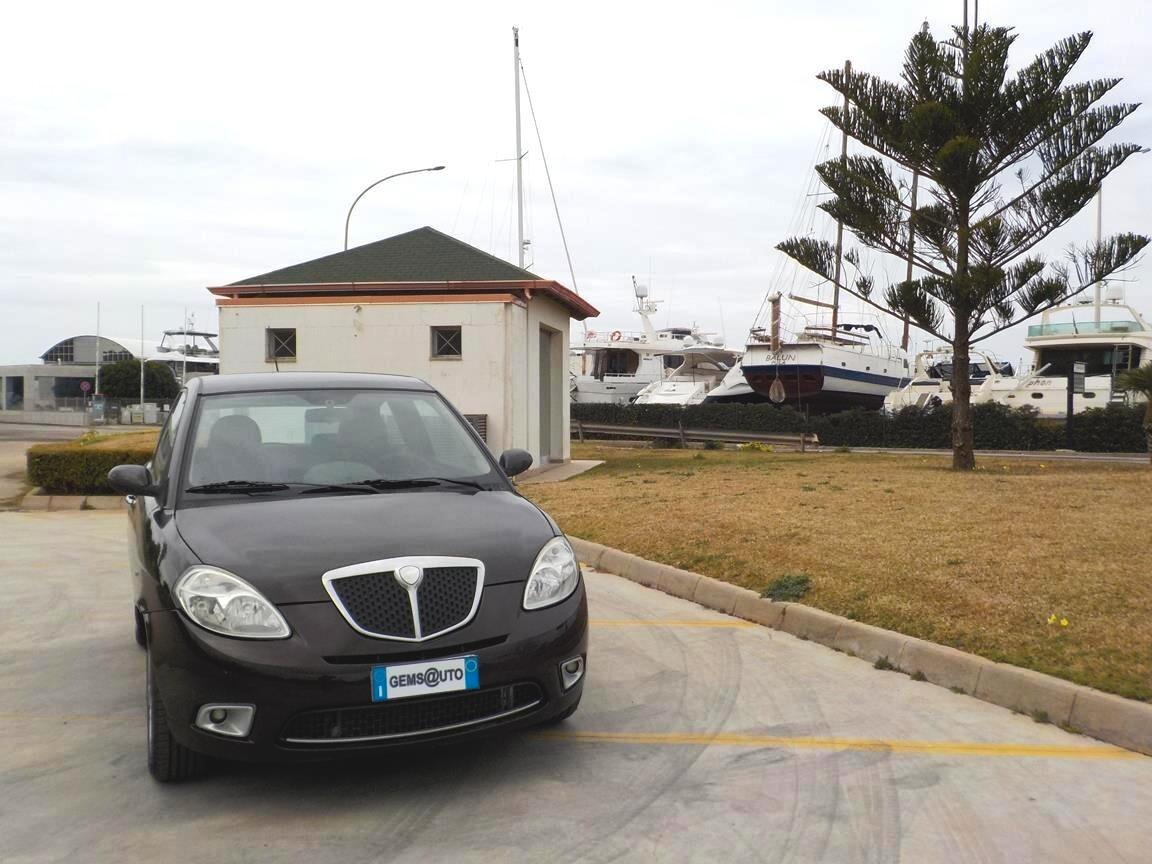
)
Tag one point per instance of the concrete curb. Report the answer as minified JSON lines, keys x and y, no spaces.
{"x":38,"y":502}
{"x":1114,"y":719}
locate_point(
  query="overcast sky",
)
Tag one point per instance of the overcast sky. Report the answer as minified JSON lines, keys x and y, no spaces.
{"x":148,"y":150}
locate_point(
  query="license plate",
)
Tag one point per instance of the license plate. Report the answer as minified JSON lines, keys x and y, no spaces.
{"x":425,"y":679}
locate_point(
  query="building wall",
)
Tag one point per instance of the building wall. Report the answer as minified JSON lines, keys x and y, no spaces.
{"x":524,"y":377}
{"x":383,"y":337}
{"x":497,"y":374}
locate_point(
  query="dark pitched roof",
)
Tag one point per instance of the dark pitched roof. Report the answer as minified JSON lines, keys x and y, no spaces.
{"x":424,"y":261}
{"x":423,"y":255}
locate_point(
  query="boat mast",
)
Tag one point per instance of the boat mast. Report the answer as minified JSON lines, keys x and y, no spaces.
{"x":774,"y":299}
{"x":1099,"y":225}
{"x":911,"y":250}
{"x":519,"y":152}
{"x":840,"y":224}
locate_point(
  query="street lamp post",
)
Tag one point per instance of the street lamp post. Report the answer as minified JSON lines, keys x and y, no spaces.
{"x":348,"y":219}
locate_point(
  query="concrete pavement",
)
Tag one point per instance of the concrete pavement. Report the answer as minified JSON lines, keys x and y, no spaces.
{"x":701,"y":738}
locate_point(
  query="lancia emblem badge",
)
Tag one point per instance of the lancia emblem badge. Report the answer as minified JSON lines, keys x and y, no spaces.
{"x":409,"y":576}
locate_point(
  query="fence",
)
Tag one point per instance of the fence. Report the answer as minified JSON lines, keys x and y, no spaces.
{"x":800,"y":440}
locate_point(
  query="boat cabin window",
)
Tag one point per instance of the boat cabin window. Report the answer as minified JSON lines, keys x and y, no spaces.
{"x":1104,"y":360}
{"x":616,"y":361}
{"x":1037,"y":395}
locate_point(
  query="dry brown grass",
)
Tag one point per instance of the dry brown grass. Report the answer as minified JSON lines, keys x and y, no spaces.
{"x":128,"y":440}
{"x":977,"y":561}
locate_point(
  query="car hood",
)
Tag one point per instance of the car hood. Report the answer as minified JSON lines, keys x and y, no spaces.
{"x":283,"y":546}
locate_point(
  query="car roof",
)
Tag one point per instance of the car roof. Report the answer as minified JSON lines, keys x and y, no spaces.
{"x":241,"y":383}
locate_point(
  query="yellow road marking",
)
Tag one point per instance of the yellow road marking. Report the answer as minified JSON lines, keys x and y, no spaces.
{"x":669,"y":622}
{"x":936,"y":748}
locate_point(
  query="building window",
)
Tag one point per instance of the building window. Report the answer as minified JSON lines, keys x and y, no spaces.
{"x":116,"y":356}
{"x":281,"y":343}
{"x":446,"y":343}
{"x":64,"y":352}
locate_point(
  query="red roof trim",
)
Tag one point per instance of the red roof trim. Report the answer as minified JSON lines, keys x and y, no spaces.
{"x":576,"y":305}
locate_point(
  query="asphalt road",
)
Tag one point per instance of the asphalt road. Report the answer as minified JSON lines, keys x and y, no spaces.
{"x":701,"y":738}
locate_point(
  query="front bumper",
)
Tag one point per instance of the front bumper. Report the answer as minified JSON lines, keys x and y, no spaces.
{"x":323,"y":671}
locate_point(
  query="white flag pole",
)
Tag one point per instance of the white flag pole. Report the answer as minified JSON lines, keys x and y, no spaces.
{"x":143,"y":358}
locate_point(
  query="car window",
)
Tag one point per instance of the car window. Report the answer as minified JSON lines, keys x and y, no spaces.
{"x":162,"y":456}
{"x":331,"y":436}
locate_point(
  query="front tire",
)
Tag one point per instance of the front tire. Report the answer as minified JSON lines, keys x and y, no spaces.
{"x":141,"y":633}
{"x":169,"y":761}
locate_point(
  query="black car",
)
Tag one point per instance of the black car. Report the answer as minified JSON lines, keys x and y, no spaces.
{"x":325,"y":563}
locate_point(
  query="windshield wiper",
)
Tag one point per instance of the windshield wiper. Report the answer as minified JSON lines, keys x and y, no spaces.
{"x":314,"y":488}
{"x":238,"y":487}
{"x":416,"y":482}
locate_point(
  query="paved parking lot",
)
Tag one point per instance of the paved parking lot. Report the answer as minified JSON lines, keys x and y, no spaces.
{"x":701,"y":738}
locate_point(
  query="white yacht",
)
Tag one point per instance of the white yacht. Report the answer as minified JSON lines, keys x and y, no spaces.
{"x":615,"y":366}
{"x":188,"y":352}
{"x":702,"y":367}
{"x":1109,"y":336}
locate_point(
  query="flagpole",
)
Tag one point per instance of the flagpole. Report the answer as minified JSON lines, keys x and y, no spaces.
{"x":143,"y":358}
{"x":96,"y":387}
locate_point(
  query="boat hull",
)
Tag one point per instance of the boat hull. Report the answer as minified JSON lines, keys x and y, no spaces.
{"x":824,"y":379}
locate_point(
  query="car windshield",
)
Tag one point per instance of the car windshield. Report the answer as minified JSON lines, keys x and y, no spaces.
{"x":318,"y":437}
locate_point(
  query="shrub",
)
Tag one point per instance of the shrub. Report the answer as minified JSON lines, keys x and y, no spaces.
{"x":76,"y":468}
{"x":790,"y":586}
{"x":1116,"y":428}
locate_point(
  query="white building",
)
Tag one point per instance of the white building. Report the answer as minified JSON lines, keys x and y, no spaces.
{"x":493,"y":338}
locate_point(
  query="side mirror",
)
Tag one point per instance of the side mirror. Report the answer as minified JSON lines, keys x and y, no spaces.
{"x":132,"y":480}
{"x":515,"y":461}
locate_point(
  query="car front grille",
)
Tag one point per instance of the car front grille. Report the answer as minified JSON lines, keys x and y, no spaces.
{"x":409,"y":718}
{"x":445,"y":597}
{"x":376,"y":603}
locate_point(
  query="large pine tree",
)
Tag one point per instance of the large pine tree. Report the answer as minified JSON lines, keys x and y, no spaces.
{"x":1004,"y":161}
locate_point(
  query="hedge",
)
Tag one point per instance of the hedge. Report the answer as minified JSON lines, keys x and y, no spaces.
{"x":1114,"y":429}
{"x":77,"y":469}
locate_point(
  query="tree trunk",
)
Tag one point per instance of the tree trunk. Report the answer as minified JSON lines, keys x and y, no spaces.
{"x":1148,"y":426}
{"x":963,"y":447}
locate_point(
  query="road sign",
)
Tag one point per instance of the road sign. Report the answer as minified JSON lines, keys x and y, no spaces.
{"x":85,"y":386}
{"x":1078,"y":372}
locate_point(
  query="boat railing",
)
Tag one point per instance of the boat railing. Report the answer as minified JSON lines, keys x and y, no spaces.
{"x":604,"y":338}
{"x":1087,"y":327}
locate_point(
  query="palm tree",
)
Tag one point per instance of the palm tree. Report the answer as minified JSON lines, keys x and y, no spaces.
{"x":1140,"y":381}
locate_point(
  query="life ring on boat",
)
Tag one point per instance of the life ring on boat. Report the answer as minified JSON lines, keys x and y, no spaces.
{"x":615,"y":335}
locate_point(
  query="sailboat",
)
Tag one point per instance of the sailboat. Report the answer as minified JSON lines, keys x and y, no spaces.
{"x":829,"y":363}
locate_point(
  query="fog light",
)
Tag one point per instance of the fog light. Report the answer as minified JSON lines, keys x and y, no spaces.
{"x":571,"y":671}
{"x":235,"y":721}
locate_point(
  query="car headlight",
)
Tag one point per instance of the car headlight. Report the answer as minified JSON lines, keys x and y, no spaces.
{"x":226,"y":604}
{"x":554,"y":576}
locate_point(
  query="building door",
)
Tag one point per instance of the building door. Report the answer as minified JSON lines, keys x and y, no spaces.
{"x":545,"y":407}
